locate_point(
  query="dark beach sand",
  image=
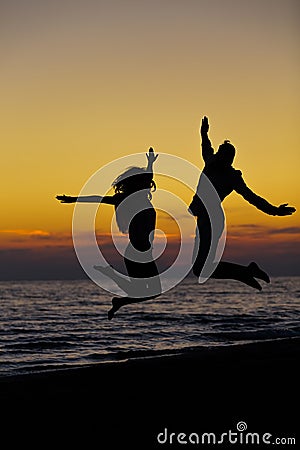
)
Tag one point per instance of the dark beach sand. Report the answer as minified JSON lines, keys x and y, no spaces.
{"x":126,"y":404}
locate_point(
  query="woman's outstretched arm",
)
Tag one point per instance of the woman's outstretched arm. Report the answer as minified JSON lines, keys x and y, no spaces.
{"x":109,"y":199}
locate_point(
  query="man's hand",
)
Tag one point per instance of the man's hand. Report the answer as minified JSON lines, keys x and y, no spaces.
{"x":66,"y":199}
{"x":204,"y":126}
{"x":151,"y":156}
{"x":285,"y":210}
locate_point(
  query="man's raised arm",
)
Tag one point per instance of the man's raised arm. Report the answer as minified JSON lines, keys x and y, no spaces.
{"x":207,"y":150}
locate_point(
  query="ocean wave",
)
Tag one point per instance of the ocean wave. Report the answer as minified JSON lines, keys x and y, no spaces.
{"x":60,"y":324}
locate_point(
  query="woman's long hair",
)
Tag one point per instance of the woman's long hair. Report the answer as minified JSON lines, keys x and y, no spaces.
{"x":132,"y":180}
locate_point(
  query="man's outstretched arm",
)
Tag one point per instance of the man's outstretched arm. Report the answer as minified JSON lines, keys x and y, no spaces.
{"x":207,"y":150}
{"x":262,"y":204}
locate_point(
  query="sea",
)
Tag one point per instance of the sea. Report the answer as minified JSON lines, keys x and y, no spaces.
{"x":54,"y":325}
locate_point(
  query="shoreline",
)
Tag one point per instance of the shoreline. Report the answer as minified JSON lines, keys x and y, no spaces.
{"x":287,"y":347}
{"x":209,"y":389}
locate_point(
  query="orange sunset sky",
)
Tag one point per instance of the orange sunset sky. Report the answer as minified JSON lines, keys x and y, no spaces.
{"x":85,"y":82}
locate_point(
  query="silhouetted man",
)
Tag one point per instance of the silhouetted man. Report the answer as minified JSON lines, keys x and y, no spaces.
{"x":225,"y":179}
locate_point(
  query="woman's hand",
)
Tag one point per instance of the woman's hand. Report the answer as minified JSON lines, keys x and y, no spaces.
{"x":66,"y":199}
{"x":151,"y":156}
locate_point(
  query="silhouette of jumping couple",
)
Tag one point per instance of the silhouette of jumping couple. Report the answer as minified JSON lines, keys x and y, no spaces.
{"x":136,"y":217}
{"x":225,"y":179}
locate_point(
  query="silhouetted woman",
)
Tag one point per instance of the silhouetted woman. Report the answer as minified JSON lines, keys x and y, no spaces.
{"x":225,"y":179}
{"x":136,"y":217}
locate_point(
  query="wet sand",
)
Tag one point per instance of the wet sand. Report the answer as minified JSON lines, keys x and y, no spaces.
{"x":126,"y":404}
